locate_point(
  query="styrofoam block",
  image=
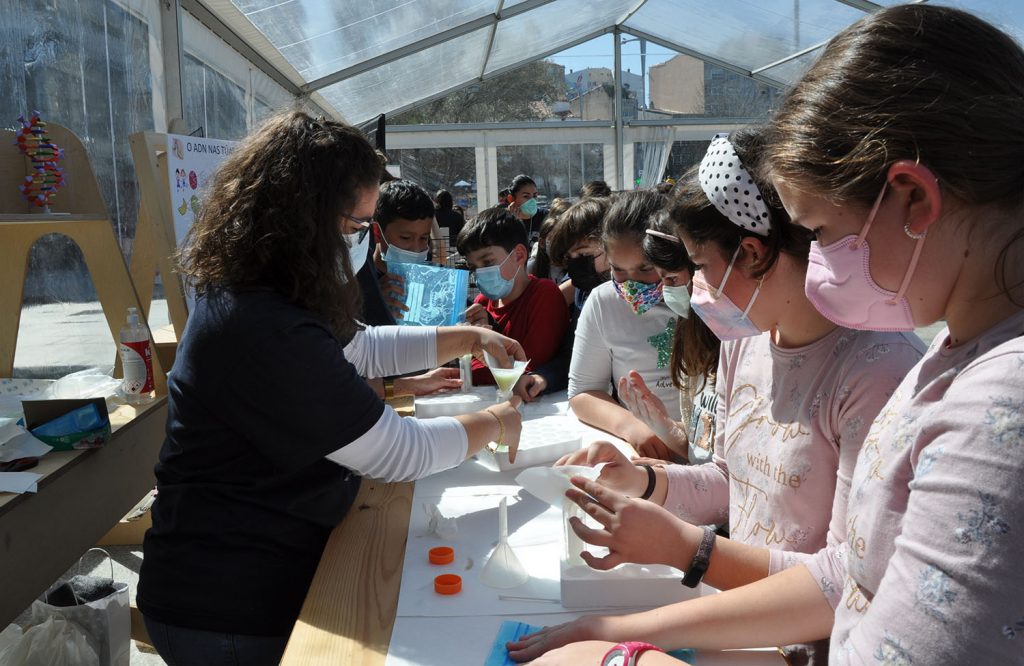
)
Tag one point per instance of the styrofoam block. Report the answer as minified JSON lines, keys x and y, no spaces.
{"x":626,"y":586}
{"x":543,"y":441}
{"x":454,"y":404}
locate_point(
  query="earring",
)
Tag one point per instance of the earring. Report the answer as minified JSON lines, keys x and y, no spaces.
{"x":911,"y":234}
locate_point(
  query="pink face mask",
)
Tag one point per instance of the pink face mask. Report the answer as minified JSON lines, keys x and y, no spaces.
{"x":840,"y":286}
{"x":721,"y":315}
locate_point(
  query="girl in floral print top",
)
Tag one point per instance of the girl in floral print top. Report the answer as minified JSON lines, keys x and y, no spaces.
{"x":902,"y":149}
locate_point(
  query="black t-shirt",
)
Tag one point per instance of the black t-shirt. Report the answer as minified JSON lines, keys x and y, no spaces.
{"x":450,"y":219}
{"x":260,"y":392}
{"x":375,"y":310}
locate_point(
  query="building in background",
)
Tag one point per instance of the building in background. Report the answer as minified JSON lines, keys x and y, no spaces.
{"x":591,"y":93}
{"x":686,"y":85}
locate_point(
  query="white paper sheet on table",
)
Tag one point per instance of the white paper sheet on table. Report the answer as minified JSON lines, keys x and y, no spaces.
{"x":16,"y":442}
{"x":534,"y":534}
{"x":19,"y":482}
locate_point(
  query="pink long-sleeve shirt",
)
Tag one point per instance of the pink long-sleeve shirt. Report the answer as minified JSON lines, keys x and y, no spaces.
{"x":790,"y":423}
{"x":931,"y":571}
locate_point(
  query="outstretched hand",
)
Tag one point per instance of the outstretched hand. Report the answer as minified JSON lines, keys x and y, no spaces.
{"x":619,"y":473}
{"x":633,"y":530}
{"x":649,"y":409}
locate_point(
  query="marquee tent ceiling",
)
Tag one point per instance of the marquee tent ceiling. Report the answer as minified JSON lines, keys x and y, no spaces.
{"x":366,"y":57}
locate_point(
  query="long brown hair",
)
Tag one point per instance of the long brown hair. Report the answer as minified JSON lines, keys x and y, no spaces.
{"x":581,"y":221}
{"x":271,"y":216}
{"x":920,"y":82}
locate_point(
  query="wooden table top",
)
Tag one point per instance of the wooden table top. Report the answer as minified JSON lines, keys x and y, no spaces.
{"x":347,"y":619}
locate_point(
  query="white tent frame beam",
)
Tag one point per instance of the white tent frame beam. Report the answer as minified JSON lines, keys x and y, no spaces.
{"x":213,"y":21}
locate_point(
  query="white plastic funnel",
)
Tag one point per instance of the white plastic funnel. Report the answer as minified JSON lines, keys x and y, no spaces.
{"x":505,"y":378}
{"x":503,"y":569}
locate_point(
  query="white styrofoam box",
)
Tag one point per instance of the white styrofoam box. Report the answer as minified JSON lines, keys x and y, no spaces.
{"x":626,"y":586}
{"x":454,"y":404}
{"x":543,"y":441}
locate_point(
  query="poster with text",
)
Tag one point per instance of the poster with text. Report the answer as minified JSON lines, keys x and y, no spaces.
{"x":191,"y":162}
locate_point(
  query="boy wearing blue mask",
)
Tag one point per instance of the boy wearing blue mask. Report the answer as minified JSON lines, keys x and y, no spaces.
{"x":514,"y":303}
{"x":403,"y":220}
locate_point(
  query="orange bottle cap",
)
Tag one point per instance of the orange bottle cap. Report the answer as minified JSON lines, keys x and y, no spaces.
{"x":448,"y":584}
{"x":441,"y":555}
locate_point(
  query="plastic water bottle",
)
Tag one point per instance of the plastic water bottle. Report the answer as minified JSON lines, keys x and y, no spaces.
{"x":136,"y":360}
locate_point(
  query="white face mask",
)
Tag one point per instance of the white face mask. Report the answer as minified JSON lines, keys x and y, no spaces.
{"x":677,"y":299}
{"x":357,"y":248}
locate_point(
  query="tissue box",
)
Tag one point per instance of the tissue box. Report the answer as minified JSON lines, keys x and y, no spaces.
{"x":68,"y":424}
{"x":543,"y":441}
{"x":454,"y":404}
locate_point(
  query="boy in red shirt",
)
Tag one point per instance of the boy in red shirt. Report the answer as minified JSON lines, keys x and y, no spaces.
{"x":512,"y":302}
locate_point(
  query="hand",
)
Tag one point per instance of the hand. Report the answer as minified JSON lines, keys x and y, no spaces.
{"x":649,"y":409}
{"x":378,"y":259}
{"x":392,"y":287}
{"x":503,"y":349}
{"x":438,"y":380}
{"x":619,"y":472}
{"x":510,"y":417}
{"x":646,"y":443}
{"x":633,"y":530}
{"x":476,"y":315}
{"x":586,"y":628}
{"x":584,"y":652}
{"x":529,"y":387}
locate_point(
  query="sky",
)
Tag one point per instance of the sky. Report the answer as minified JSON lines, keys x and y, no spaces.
{"x":600,"y":52}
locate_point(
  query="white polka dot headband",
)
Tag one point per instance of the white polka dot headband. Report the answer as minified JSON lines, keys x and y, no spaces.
{"x":730,"y":187}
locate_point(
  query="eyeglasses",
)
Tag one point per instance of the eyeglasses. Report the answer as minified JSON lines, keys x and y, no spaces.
{"x":364,"y":227}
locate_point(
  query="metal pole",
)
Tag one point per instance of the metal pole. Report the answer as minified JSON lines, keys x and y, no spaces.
{"x":583,"y":166}
{"x":643,"y":71}
{"x":620,"y":177}
{"x":171,"y":37}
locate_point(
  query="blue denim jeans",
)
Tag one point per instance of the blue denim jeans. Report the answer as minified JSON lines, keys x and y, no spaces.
{"x":179,"y":646}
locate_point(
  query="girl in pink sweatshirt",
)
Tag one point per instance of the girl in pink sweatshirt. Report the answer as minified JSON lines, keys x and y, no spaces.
{"x":794,"y":402}
{"x":901,"y":149}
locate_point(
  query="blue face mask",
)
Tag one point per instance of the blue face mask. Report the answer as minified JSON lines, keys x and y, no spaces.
{"x":396,"y":255}
{"x":491,"y":283}
{"x":528,"y":207}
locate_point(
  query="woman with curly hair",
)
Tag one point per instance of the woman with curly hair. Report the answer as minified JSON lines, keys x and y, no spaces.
{"x":270,"y":424}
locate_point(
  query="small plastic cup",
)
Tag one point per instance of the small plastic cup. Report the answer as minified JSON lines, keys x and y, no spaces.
{"x":441,"y":555}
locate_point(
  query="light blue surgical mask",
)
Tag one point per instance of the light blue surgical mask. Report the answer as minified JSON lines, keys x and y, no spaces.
{"x":677,"y":299}
{"x":396,"y":255}
{"x":528,"y":207}
{"x":492,"y":284}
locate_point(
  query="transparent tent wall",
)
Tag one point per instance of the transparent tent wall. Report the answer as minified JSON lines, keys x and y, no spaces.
{"x":559,"y":170}
{"x":434,"y":169}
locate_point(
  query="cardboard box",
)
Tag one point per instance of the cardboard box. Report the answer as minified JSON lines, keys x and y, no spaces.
{"x":71,"y":437}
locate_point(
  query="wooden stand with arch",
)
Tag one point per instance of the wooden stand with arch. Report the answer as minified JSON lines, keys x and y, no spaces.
{"x":78,"y":213}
